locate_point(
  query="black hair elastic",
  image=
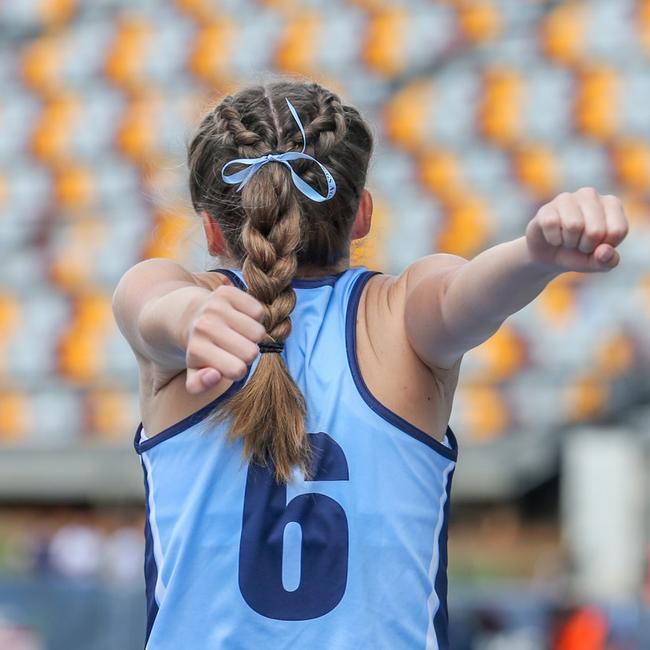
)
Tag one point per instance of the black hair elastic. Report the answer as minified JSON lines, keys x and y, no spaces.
{"x":271,"y":346}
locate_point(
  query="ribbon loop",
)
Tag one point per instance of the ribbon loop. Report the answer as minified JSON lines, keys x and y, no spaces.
{"x":252,"y":165}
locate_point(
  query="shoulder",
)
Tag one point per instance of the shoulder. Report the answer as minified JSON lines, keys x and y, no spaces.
{"x":390,"y":292}
{"x":391,"y":304}
{"x":156,"y":275}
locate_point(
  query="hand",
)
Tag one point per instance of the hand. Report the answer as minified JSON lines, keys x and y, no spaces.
{"x":222,"y":338}
{"x":578,"y":231}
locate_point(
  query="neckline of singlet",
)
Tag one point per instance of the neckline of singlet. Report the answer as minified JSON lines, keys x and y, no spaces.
{"x":296,"y":283}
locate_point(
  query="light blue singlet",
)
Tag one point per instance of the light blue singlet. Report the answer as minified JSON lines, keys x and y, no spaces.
{"x":354,"y":559}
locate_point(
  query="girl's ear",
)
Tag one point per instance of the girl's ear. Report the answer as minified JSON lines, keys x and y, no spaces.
{"x":216,"y":241}
{"x":363,"y":220}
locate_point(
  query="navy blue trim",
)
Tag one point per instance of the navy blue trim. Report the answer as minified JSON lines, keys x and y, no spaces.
{"x":150,"y":567}
{"x":323,"y":280}
{"x":368,"y":397}
{"x":296,"y":283}
{"x":186,"y":422}
{"x":234,"y":278}
{"x":441,"y":617}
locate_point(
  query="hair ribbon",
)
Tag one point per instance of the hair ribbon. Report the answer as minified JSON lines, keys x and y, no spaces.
{"x":254,"y":164}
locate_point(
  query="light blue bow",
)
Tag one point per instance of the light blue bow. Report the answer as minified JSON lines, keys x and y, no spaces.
{"x":253,"y":164}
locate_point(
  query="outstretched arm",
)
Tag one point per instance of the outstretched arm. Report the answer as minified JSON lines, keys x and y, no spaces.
{"x":172,"y":320}
{"x":453,"y":305}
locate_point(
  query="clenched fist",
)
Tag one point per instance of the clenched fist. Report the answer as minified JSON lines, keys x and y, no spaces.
{"x":223,"y":337}
{"x":578,"y":231}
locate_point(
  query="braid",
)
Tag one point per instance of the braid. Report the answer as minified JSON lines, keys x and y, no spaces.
{"x":328,"y":128}
{"x":271,"y":262}
{"x":272,"y":229}
{"x":269,"y":411}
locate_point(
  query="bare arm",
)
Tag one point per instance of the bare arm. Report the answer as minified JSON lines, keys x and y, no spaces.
{"x":453,"y":305}
{"x":174,"y":322}
{"x":145,"y":294}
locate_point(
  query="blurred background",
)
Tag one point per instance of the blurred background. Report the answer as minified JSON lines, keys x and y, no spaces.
{"x":483,"y":110}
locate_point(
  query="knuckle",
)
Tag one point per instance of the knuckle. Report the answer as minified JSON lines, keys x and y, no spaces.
{"x":549,"y":218}
{"x":589,"y":192}
{"x":217,"y":301}
{"x":201,"y":325}
{"x":222,"y":294}
{"x":573,"y":226}
{"x":594,"y":234}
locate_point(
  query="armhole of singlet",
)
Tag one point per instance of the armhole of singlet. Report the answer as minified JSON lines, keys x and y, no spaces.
{"x":451,"y":451}
{"x":143,"y":444}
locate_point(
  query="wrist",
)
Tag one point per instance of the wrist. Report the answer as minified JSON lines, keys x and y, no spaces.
{"x":539,"y":263}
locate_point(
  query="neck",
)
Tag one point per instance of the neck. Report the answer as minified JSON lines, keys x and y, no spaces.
{"x":319,"y":271}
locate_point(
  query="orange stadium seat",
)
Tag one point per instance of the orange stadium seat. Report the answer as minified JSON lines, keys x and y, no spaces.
{"x":484,"y":415}
{"x":557,"y":303}
{"x":384,"y":48}
{"x":41,"y":63}
{"x":479,"y":21}
{"x":596,"y":107}
{"x":169,"y":234}
{"x":563,"y":32}
{"x":73,"y":186}
{"x":631,"y":161}
{"x":111,"y":414}
{"x":15,"y":418}
{"x":54,"y":13}
{"x":80,"y":350}
{"x":296,"y":48}
{"x":52,"y":133}
{"x":537,"y":169}
{"x":587,"y":397}
{"x":10,"y":321}
{"x":467,"y":227}
{"x":211,"y":51}
{"x":501,"y":356}
{"x":406,"y":114}
{"x":124,"y":60}
{"x":137,"y":131}
{"x":616,"y":354}
{"x":501,"y":106}
{"x":441,"y":174}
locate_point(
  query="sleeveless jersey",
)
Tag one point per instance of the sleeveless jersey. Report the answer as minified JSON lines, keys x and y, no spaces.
{"x":354,"y":558}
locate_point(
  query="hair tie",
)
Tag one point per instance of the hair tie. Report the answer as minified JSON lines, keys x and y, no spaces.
{"x":254,"y":164}
{"x":271,"y":346}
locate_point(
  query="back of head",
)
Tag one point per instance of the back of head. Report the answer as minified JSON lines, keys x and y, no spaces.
{"x":272,"y":229}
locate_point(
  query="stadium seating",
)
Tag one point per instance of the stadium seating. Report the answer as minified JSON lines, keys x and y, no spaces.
{"x":99,"y":99}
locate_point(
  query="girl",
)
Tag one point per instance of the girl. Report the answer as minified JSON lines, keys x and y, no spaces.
{"x":294,"y":442}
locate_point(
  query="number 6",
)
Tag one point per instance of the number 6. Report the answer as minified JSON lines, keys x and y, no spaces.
{"x":324,"y":526}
